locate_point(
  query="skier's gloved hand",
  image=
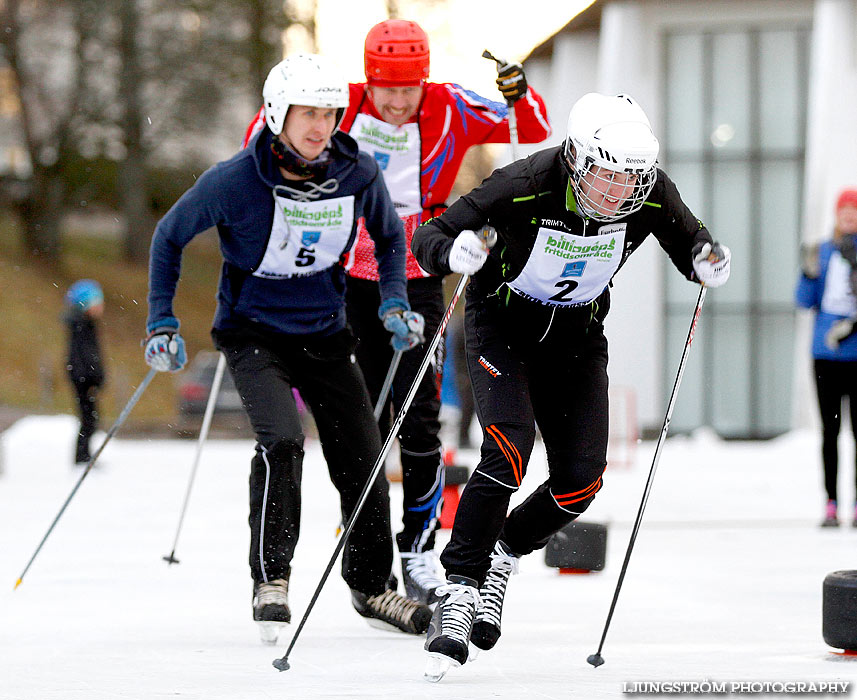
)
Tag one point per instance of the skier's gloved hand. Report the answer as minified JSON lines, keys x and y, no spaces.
{"x":407,"y":327}
{"x":468,"y":253}
{"x":838,"y":332}
{"x":810,"y":263}
{"x":511,"y":81}
{"x":165,"y":349}
{"x":711,"y":263}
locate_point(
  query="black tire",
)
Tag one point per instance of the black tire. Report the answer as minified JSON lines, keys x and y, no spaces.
{"x":839,"y":610}
{"x":581,"y":546}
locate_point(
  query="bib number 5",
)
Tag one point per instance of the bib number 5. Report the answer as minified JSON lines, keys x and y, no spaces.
{"x":305,"y":257}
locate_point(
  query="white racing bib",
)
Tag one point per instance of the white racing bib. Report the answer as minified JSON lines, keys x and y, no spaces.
{"x":567,"y":270}
{"x":837,"y":298}
{"x":306,"y":237}
{"x":396,"y":149}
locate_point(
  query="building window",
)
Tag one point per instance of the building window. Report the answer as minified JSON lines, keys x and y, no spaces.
{"x":735,"y":120}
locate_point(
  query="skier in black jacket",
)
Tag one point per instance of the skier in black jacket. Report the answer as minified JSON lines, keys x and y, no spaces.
{"x":85,"y":305}
{"x":567,"y":218}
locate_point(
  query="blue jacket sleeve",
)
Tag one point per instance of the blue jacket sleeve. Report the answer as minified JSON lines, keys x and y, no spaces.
{"x":196,"y":210}
{"x":388,"y":233}
{"x":808,"y":292}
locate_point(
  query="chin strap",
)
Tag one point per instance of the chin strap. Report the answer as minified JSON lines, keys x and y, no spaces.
{"x":292,"y":161}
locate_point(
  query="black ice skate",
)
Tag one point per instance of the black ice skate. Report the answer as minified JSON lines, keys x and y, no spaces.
{"x":486,"y":628}
{"x":271,"y":608}
{"x":449,"y":631}
{"x":389,"y":610}
{"x":421,"y":577}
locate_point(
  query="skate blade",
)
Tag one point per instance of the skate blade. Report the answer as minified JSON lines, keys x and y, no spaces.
{"x":472,"y":652}
{"x":437,"y":667}
{"x":381,"y":625}
{"x":270,"y":631}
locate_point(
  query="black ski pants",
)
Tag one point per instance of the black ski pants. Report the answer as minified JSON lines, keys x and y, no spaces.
{"x":422,"y":473}
{"x":265,"y":367}
{"x":86,"y":393}
{"x":834,"y":381}
{"x":525,"y":372}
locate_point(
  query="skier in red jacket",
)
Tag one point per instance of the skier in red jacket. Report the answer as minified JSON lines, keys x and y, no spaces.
{"x":418,"y":132}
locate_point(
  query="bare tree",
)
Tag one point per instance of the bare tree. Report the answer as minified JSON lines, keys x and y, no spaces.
{"x":49,"y":99}
{"x":132,"y":179}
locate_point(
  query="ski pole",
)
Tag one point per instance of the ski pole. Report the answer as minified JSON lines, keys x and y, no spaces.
{"x":282,"y":664}
{"x":382,"y":399}
{"x":513,"y":120}
{"x":119,"y":421}
{"x":388,"y":382}
{"x":596,"y":659}
{"x":203,"y":435}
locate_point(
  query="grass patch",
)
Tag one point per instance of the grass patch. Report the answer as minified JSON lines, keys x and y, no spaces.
{"x":33,"y":338}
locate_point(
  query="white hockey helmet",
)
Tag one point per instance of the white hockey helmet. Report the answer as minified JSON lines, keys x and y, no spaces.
{"x":609,"y":135}
{"x":303,"y":79}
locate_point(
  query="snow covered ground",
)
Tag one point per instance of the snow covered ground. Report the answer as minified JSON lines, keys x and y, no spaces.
{"x":725,"y":582}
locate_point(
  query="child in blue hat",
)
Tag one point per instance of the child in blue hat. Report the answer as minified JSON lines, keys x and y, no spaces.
{"x":84,"y":307}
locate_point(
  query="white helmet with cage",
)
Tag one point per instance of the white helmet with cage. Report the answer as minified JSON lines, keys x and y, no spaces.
{"x":610,"y":142}
{"x":303,"y":79}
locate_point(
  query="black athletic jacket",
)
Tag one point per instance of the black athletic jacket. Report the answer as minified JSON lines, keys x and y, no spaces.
{"x":534,"y":193}
{"x":84,"y":353}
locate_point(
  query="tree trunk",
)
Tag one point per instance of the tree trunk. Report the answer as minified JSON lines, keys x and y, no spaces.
{"x":41,"y":214}
{"x":133,"y":189}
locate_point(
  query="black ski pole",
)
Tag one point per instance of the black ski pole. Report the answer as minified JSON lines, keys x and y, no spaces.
{"x":382,"y":399}
{"x":513,"y":122}
{"x":596,"y":659}
{"x":203,"y":435}
{"x":119,"y":421}
{"x":388,"y":382}
{"x":282,"y":664}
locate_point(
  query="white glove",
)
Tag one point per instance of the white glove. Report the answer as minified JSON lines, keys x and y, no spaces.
{"x":468,"y":253}
{"x":711,"y":263}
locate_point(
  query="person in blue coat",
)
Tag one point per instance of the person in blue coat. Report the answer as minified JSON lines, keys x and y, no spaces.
{"x":828,"y":284}
{"x":286,"y":210}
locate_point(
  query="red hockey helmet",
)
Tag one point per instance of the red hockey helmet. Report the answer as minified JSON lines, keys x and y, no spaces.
{"x":396,"y":53}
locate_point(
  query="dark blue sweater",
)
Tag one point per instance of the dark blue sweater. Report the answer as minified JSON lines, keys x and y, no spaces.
{"x":236,"y":197}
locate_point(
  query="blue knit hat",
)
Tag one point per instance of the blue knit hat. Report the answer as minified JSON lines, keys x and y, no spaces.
{"x":84,"y":294}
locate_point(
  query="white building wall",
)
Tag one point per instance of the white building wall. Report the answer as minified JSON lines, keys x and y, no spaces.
{"x":627,"y":58}
{"x":831,"y":157}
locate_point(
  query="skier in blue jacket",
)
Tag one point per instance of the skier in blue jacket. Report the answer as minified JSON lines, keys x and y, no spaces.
{"x":828,"y":283}
{"x":286,"y":210}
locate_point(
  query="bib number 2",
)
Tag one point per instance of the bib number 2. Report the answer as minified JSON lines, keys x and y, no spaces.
{"x":566,"y":288}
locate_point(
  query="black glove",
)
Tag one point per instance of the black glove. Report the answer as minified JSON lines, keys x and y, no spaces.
{"x":511,"y":81}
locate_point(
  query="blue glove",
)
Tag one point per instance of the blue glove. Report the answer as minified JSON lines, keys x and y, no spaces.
{"x":165,"y":349}
{"x":407,"y":327}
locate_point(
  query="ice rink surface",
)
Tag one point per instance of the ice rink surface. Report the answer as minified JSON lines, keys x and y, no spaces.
{"x":724,"y":584}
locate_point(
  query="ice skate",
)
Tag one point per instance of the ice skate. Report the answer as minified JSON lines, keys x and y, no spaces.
{"x":486,"y":628}
{"x":391,"y":611}
{"x":421,"y":577}
{"x":271,"y":608}
{"x":436,"y":667}
{"x":449,"y":631}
